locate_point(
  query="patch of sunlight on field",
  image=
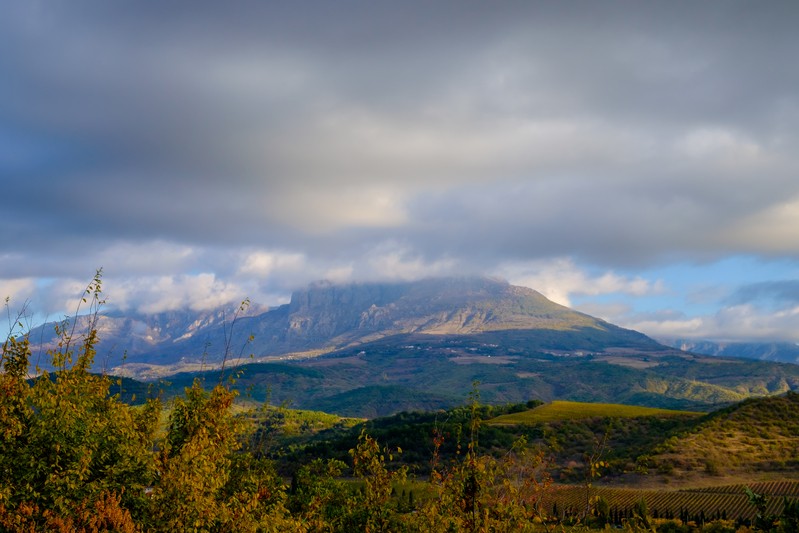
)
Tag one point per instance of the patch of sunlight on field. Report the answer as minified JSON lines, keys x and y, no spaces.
{"x":563,"y":410}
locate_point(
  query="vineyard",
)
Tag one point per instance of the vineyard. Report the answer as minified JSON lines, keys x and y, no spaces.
{"x":708,"y":503}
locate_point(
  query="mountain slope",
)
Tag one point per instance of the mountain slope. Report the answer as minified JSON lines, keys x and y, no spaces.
{"x":357,"y":312}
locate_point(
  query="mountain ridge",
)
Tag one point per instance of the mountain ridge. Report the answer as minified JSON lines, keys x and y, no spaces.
{"x":784,"y":352}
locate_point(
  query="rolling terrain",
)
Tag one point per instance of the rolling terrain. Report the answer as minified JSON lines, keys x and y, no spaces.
{"x":753,"y":441}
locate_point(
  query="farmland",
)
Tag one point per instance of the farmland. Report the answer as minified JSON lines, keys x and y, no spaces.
{"x":699,"y":505}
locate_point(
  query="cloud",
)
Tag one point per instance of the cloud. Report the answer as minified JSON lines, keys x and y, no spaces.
{"x":674,"y":327}
{"x":16,"y":296}
{"x":15,"y":289}
{"x":260,"y":147}
{"x":770,"y":230}
{"x":561,"y":279}
{"x":743,"y":322}
{"x":718,"y":143}
{"x":163,"y":293}
{"x":528,"y":122}
{"x":397,"y":262}
{"x":263,"y":263}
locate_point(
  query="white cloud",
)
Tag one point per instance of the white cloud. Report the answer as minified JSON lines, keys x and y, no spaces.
{"x":391,"y":261}
{"x":688,"y":327}
{"x":264,"y":263}
{"x":774,"y":229}
{"x":340,"y":274}
{"x":154,"y":294}
{"x":733,"y":323}
{"x":16,"y":295}
{"x":60,"y":297}
{"x":125,"y":257}
{"x":560,"y":279}
{"x":610,"y":312}
{"x":17,"y":290}
{"x":325,"y":208}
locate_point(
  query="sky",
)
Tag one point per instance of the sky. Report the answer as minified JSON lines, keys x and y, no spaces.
{"x":638,"y":161}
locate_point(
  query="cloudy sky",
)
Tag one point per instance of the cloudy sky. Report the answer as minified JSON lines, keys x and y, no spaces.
{"x":637,"y":161}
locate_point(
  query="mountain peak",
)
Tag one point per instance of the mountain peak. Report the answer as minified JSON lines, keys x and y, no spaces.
{"x":453,"y":305}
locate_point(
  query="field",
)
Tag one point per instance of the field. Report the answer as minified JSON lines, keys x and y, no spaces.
{"x":727,"y":502}
{"x":562,"y":410}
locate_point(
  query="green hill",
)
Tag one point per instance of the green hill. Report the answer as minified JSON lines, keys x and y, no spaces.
{"x":560,"y":410}
{"x":753,"y":436}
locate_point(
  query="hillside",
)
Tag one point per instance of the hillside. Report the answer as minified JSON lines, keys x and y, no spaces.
{"x":560,"y":410}
{"x":756,"y":435}
{"x":755,"y":440}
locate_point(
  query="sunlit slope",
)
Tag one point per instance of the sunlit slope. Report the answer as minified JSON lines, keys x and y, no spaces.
{"x":757,"y":434}
{"x":564,"y":410}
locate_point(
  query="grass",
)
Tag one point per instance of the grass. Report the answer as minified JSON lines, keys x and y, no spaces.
{"x":562,"y":410}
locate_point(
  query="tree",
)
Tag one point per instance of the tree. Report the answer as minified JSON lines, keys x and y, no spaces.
{"x":71,"y":452}
{"x":369,"y":464}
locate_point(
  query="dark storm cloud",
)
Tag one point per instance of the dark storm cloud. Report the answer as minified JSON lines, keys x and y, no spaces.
{"x":462,"y":133}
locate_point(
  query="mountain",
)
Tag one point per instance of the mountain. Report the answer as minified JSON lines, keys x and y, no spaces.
{"x":372,"y":349}
{"x":326,"y":317}
{"x":785,"y":352}
{"x":137,"y":337}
